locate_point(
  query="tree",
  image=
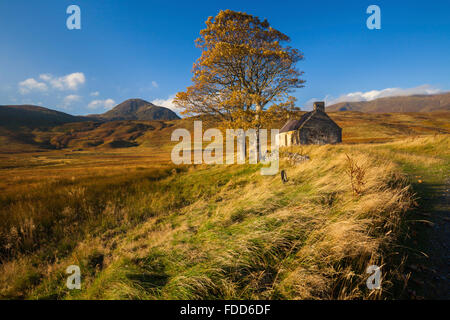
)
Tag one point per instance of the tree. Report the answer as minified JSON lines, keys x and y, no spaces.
{"x":244,"y":75}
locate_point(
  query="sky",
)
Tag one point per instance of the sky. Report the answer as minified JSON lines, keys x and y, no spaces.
{"x":145,"y":49}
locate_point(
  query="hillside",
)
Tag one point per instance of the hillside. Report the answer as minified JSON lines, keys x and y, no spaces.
{"x":32,"y":128}
{"x":138,"y":109}
{"x":416,"y":103}
{"x":34,"y":116}
{"x":26,"y":128}
{"x":89,"y":135}
{"x":111,"y":134}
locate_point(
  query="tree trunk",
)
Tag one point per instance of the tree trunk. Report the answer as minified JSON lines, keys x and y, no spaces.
{"x":258,"y":126}
{"x":258,"y":148}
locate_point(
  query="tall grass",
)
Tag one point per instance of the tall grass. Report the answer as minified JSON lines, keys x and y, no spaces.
{"x":62,"y":212}
{"x":215,"y":231}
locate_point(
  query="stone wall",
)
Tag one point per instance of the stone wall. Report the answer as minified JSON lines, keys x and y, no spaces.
{"x":320,"y":130}
{"x":289,"y":138}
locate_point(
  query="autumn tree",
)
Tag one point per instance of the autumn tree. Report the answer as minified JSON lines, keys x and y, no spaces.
{"x":245,"y":73}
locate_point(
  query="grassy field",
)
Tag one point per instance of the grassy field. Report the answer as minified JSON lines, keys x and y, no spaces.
{"x":141,"y":228}
{"x":155,"y":135}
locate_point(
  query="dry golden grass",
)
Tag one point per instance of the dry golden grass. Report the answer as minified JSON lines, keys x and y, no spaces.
{"x":205,"y":231}
{"x":254,"y":237}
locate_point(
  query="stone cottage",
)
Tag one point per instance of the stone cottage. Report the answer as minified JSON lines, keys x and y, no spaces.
{"x":314,"y":127}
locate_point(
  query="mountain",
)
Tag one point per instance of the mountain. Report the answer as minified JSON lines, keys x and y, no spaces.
{"x":416,"y":103}
{"x":34,"y":116}
{"x":138,"y":109}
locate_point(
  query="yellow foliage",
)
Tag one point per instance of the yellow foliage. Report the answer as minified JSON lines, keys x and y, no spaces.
{"x":242,"y":70}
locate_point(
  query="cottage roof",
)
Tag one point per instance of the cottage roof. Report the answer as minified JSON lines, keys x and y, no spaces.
{"x":293,"y":124}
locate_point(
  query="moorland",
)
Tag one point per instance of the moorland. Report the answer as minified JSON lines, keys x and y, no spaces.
{"x":104,"y":195}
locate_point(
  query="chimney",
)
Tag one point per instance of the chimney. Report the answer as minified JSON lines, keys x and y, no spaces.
{"x":319,"y":106}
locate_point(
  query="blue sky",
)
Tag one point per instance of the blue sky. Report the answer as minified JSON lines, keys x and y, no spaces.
{"x":145,"y":49}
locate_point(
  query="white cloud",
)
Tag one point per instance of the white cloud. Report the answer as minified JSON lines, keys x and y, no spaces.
{"x":106,"y":104}
{"x":45,"y":77}
{"x":95,"y":94}
{"x":375,"y":94}
{"x":71,"y":98}
{"x":31,"y":84}
{"x":68,"y":82}
{"x":149,"y":87}
{"x":167,"y":103}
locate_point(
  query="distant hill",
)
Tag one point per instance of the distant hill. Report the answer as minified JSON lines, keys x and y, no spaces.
{"x":34,"y":116}
{"x":137,"y":109}
{"x":416,"y":103}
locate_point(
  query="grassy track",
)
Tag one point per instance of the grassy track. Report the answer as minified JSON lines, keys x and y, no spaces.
{"x":429,"y":226}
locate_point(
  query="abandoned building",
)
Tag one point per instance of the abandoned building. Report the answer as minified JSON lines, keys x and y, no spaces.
{"x":314,"y":127}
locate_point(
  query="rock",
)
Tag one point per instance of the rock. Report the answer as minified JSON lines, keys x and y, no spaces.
{"x":269,"y":156}
{"x":296,"y":158}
